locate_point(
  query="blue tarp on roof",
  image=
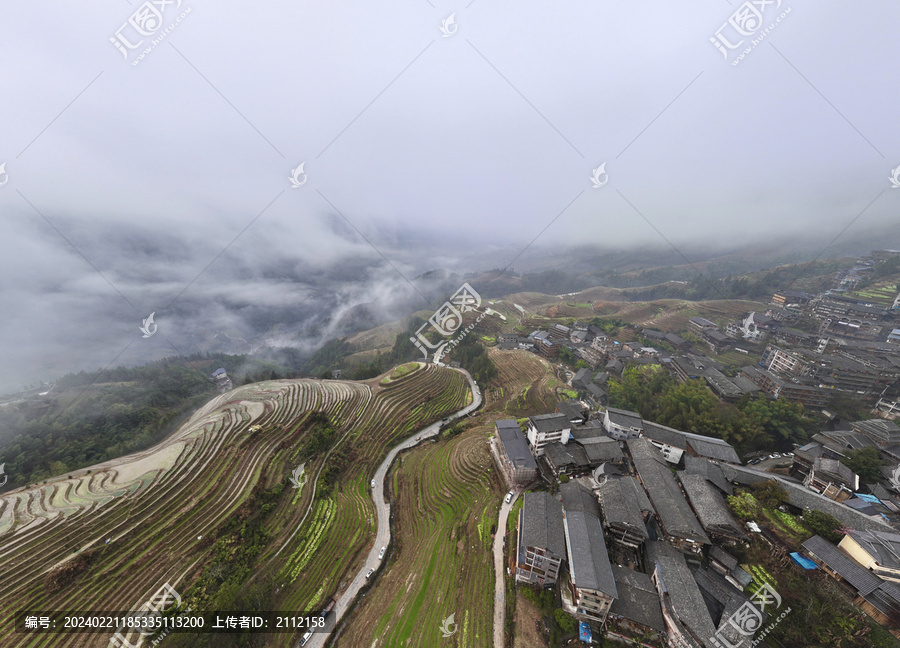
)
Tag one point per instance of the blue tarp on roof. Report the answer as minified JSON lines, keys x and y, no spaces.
{"x":584,"y":631}
{"x":803,"y":561}
{"x":868,"y":498}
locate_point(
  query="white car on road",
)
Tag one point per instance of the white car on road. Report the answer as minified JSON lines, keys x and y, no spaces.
{"x":509,"y":497}
{"x":381,"y":553}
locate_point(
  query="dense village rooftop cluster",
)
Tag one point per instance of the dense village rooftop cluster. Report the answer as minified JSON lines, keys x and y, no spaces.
{"x":637,"y":537}
{"x":624,"y":537}
{"x":811,"y":346}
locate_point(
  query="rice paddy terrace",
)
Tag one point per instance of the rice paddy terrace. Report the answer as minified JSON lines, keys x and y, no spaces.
{"x":108,"y":537}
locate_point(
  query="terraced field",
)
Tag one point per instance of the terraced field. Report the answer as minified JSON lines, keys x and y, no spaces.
{"x":108,"y":537}
{"x":447,"y":497}
{"x":525,"y":385}
{"x":673,"y":314}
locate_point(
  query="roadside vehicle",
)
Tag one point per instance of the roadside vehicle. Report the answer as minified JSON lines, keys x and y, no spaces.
{"x":373,"y":483}
{"x":509,"y":497}
{"x":306,"y":638}
{"x":381,"y":553}
{"x":371,"y":571}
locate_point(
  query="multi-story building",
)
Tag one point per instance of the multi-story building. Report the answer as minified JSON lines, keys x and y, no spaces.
{"x":637,"y":612}
{"x":625,"y":509}
{"x":591,"y":587}
{"x":559,"y":332}
{"x":541,"y":543}
{"x":701,"y":324}
{"x":687,"y":617}
{"x":545,"y":346}
{"x":883,"y":433}
{"x":515,"y":460}
{"x":786,"y":298}
{"x":622,"y":424}
{"x":547,"y":428}
{"x":807,"y":395}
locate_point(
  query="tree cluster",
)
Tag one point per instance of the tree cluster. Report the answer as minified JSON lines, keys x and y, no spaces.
{"x":691,"y":406}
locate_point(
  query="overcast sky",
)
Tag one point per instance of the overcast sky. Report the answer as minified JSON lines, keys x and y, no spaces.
{"x":423,"y":139}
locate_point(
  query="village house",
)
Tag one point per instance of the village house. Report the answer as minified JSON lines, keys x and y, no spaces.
{"x":514,"y":458}
{"x":877,"y":551}
{"x":591,"y":588}
{"x":637,"y":611}
{"x":677,"y":521}
{"x":687,"y":619}
{"x":541,"y":545}
{"x":547,"y":428}
{"x":622,"y":424}
{"x":700,"y":324}
{"x":625,"y":508}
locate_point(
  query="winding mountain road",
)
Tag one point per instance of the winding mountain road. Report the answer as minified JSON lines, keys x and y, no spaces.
{"x":499,"y":572}
{"x":383,"y":511}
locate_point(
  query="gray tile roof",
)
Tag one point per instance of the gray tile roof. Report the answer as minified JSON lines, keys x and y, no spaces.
{"x":625,"y":418}
{"x":514,"y":443}
{"x":886,"y":599}
{"x":835,"y":468}
{"x":710,"y":506}
{"x":589,"y":565}
{"x":672,"y":509}
{"x":550,"y":422}
{"x":683,"y":593}
{"x":569,"y":456}
{"x":542,"y":523}
{"x":603,"y":451}
{"x":717,"y":553}
{"x":622,"y":501}
{"x":704,"y":446}
{"x":842,"y":440}
{"x":860,"y":578}
{"x":571,"y":410}
{"x":884,"y":547}
{"x":638,"y":599}
{"x":590,"y":431}
{"x":576,"y":498}
{"x":708,"y":469}
{"x":582,"y":376}
{"x":596,"y":391}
